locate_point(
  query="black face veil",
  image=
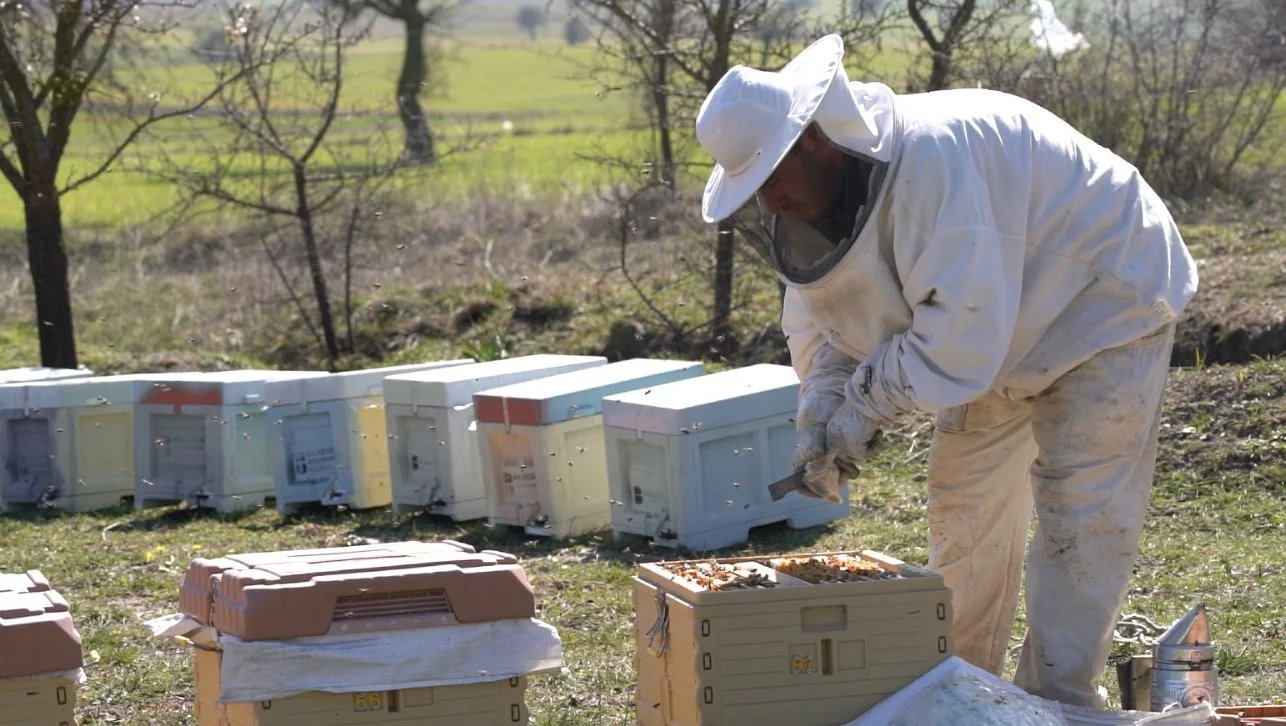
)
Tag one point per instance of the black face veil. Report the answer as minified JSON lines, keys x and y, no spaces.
{"x":798,"y":250}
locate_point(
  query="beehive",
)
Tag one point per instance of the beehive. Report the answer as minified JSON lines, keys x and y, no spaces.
{"x":39,"y":653}
{"x":434,"y":453}
{"x":203,"y":439}
{"x":385,"y":587}
{"x":70,"y":441}
{"x":756,"y":646}
{"x":1265,"y":715}
{"x":330,"y":441}
{"x":27,"y":442}
{"x":541,"y":443}
{"x":690,"y":462}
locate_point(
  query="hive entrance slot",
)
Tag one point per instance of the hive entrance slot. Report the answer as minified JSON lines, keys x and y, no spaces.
{"x":391,"y":604}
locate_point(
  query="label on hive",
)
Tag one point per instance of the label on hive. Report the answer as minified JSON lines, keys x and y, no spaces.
{"x":312,"y":451}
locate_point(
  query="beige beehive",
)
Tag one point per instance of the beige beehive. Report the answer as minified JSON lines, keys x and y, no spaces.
{"x":778,"y":649}
{"x":39,"y":651}
{"x":382,"y":587}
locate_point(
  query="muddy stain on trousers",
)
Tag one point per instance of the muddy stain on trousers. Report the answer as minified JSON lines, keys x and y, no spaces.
{"x":1082,"y":454}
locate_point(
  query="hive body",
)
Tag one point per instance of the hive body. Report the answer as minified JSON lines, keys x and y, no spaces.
{"x":67,"y":440}
{"x":39,"y":651}
{"x":203,"y":439}
{"x":542,"y":448}
{"x":689,"y":462}
{"x":434,"y":453}
{"x":399,"y":586}
{"x":497,"y":703}
{"x":797,"y":653}
{"x":329,"y":443}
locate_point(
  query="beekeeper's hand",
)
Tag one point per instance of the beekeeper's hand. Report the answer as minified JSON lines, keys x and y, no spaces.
{"x":825,"y":423}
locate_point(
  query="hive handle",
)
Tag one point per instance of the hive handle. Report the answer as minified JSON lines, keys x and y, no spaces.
{"x":660,"y":628}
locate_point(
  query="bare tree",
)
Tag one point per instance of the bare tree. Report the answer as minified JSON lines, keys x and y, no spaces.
{"x":1186,"y":90}
{"x":418,"y":18}
{"x":56,"y":61}
{"x":958,"y":24}
{"x":671,"y":53}
{"x":311,"y":192}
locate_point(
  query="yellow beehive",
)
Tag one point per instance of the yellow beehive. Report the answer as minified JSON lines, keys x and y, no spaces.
{"x":777,"y":649}
{"x":48,"y":701}
{"x":389,"y":587}
{"x":497,"y":703}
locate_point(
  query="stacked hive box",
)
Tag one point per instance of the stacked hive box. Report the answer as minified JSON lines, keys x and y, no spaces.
{"x":742,"y":641}
{"x":39,"y":653}
{"x":541,"y":443}
{"x":330,"y":443}
{"x":203,"y":439}
{"x":364,"y":589}
{"x":689,"y":462}
{"x":433,"y":451}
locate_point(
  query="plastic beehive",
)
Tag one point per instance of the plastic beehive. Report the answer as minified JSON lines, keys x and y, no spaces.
{"x":330,"y":444}
{"x":69,"y":442}
{"x":39,"y":652}
{"x":196,"y":596}
{"x":434,"y":453}
{"x":204,"y":439}
{"x":775,"y":648}
{"x":396,"y":586}
{"x":541,"y":444}
{"x":27,"y":444}
{"x":689,"y":462}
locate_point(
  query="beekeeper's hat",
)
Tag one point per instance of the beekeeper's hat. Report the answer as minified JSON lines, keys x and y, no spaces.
{"x":751,"y":119}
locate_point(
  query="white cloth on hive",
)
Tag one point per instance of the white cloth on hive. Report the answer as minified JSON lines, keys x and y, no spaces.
{"x":441,"y":656}
{"x":956,"y":693}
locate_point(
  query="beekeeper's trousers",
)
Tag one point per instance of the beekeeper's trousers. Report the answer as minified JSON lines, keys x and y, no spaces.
{"x":1084,"y":451}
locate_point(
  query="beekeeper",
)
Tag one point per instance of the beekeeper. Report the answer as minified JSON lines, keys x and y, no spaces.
{"x":969,"y":254}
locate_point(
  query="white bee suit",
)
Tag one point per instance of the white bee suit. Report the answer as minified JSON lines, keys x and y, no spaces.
{"x":1021,"y":282}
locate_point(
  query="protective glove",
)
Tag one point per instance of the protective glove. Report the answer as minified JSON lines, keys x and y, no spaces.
{"x":824,"y":450}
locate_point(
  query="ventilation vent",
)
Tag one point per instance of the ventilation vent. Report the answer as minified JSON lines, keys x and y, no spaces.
{"x":416,"y":602}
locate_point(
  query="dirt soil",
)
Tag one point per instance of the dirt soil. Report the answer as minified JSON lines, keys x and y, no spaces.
{"x":1239,"y":311}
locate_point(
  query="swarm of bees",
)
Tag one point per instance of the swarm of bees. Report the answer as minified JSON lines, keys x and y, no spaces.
{"x":833,"y":568}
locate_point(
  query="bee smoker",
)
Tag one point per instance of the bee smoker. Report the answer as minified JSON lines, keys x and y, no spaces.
{"x":1180,"y":671}
{"x":1183,"y":663}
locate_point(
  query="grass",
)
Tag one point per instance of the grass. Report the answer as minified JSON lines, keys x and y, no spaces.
{"x":1211,"y":537}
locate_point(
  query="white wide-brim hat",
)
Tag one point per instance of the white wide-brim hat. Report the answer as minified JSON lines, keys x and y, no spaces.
{"x":751,"y":119}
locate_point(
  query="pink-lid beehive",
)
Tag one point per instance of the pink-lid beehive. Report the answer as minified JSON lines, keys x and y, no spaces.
{"x":196,"y":596}
{"x":36,"y":630}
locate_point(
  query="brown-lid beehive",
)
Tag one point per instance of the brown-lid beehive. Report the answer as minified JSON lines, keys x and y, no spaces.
{"x":810,"y":639}
{"x":36,"y":631}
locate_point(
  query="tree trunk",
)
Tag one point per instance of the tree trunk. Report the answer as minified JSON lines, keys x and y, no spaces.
{"x":941,"y":70}
{"x":410,"y":84}
{"x":305,"y":214}
{"x":661,"y":89}
{"x":47,"y":260}
{"x":723,"y":258}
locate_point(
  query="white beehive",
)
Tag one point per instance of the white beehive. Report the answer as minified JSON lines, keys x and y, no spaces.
{"x":329,"y":443}
{"x":26,"y":444}
{"x":541,"y":444}
{"x":434,"y":453}
{"x":68,"y":442}
{"x":203,"y":438}
{"x":689,"y":463}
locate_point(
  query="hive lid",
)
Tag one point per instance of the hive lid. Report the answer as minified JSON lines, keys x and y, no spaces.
{"x":1187,"y":640}
{"x":36,"y":630}
{"x":455,"y":386}
{"x":710,"y":401}
{"x":217,"y":388}
{"x":39,"y":373}
{"x":358,"y":384}
{"x":196,"y":595}
{"x":577,"y":394}
{"x":295,"y":600}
